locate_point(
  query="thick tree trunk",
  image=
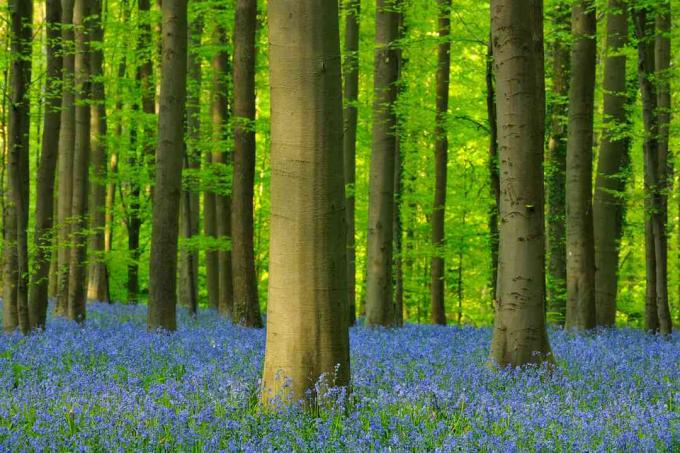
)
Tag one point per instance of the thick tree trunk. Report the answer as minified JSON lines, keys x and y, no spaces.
{"x":246,"y":304}
{"x":608,"y":206}
{"x":379,"y":302}
{"x":307,"y":322}
{"x":556,"y":169}
{"x":351,"y":96}
{"x":441,"y":149}
{"x":81,"y":160}
{"x":493,"y":168}
{"x":165,"y":226}
{"x":98,"y":284}
{"x":16,"y":311}
{"x":67,"y":133}
{"x":220,"y":160}
{"x":44,"y":209}
{"x":580,"y":241}
{"x":662,"y":77}
{"x":519,"y":334}
{"x":189,"y":203}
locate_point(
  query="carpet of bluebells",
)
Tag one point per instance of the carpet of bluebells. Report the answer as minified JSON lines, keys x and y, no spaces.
{"x":110,"y":386}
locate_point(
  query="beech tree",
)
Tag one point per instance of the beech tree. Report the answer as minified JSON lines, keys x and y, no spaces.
{"x":441,"y":160}
{"x":580,"y":242}
{"x":307,"y":316}
{"x":379,"y":297}
{"x":246,"y":305}
{"x":165,"y":223}
{"x":44,"y":209}
{"x":519,"y":334}
{"x":608,"y":206}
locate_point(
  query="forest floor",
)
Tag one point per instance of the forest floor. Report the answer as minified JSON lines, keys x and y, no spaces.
{"x":111,"y":386}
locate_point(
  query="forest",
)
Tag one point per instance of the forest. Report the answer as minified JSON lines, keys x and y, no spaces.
{"x":339,"y":225}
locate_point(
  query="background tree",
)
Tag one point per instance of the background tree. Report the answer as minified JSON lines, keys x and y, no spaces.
{"x":246,"y":304}
{"x":164,"y":233}
{"x":441,"y":161}
{"x":379,"y":301}
{"x":15,"y":306}
{"x":307,"y":316}
{"x":613,"y":159}
{"x":519,"y":334}
{"x":556,"y":168}
{"x":580,"y":242}
{"x":44,"y":209}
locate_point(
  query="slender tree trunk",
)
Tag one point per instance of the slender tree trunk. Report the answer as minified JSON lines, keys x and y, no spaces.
{"x":65,"y":161}
{"x":307,"y":322}
{"x":519,"y":334}
{"x":379,"y":302}
{"x":81,"y":160}
{"x":608,"y":206}
{"x":493,"y":168}
{"x":165,"y":226}
{"x":44,"y":209}
{"x":210,"y":229}
{"x":16,"y":273}
{"x":98,"y":284}
{"x":441,"y":149}
{"x":580,"y":241}
{"x":351,"y":96}
{"x":246,"y":304}
{"x":221,"y":160}
{"x":663,"y":77}
{"x":556,"y":171}
{"x":189,"y":203}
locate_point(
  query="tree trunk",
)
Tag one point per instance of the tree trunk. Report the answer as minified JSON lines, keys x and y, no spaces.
{"x":519,"y":334}
{"x":580,"y":241}
{"x":246,"y":304}
{"x":165,"y":223}
{"x":351,"y":97}
{"x":98,"y":285}
{"x":556,"y":169}
{"x":493,"y":168}
{"x":189,"y":203}
{"x":379,"y":302}
{"x":211,"y":262}
{"x":220,"y":160}
{"x":16,"y":310}
{"x":81,"y":160}
{"x":663,"y":77}
{"x":307,"y":322}
{"x":65,"y":161}
{"x":441,"y":149}
{"x":608,"y":206}
{"x":44,"y":209}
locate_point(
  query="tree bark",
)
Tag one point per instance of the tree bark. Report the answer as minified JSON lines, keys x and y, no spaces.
{"x":165,"y":223}
{"x":351,"y":97}
{"x":246,"y":304}
{"x":580,"y":241}
{"x":44,"y":209}
{"x":16,"y":311}
{"x":189,"y":203}
{"x":556,"y":171}
{"x":608,"y":206}
{"x":221,"y":160}
{"x":98,"y":284}
{"x":379,"y":301}
{"x":81,"y":160}
{"x":519,"y":334}
{"x":441,"y":149}
{"x":210,"y":229}
{"x":307,"y":322}
{"x":662,"y":62}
